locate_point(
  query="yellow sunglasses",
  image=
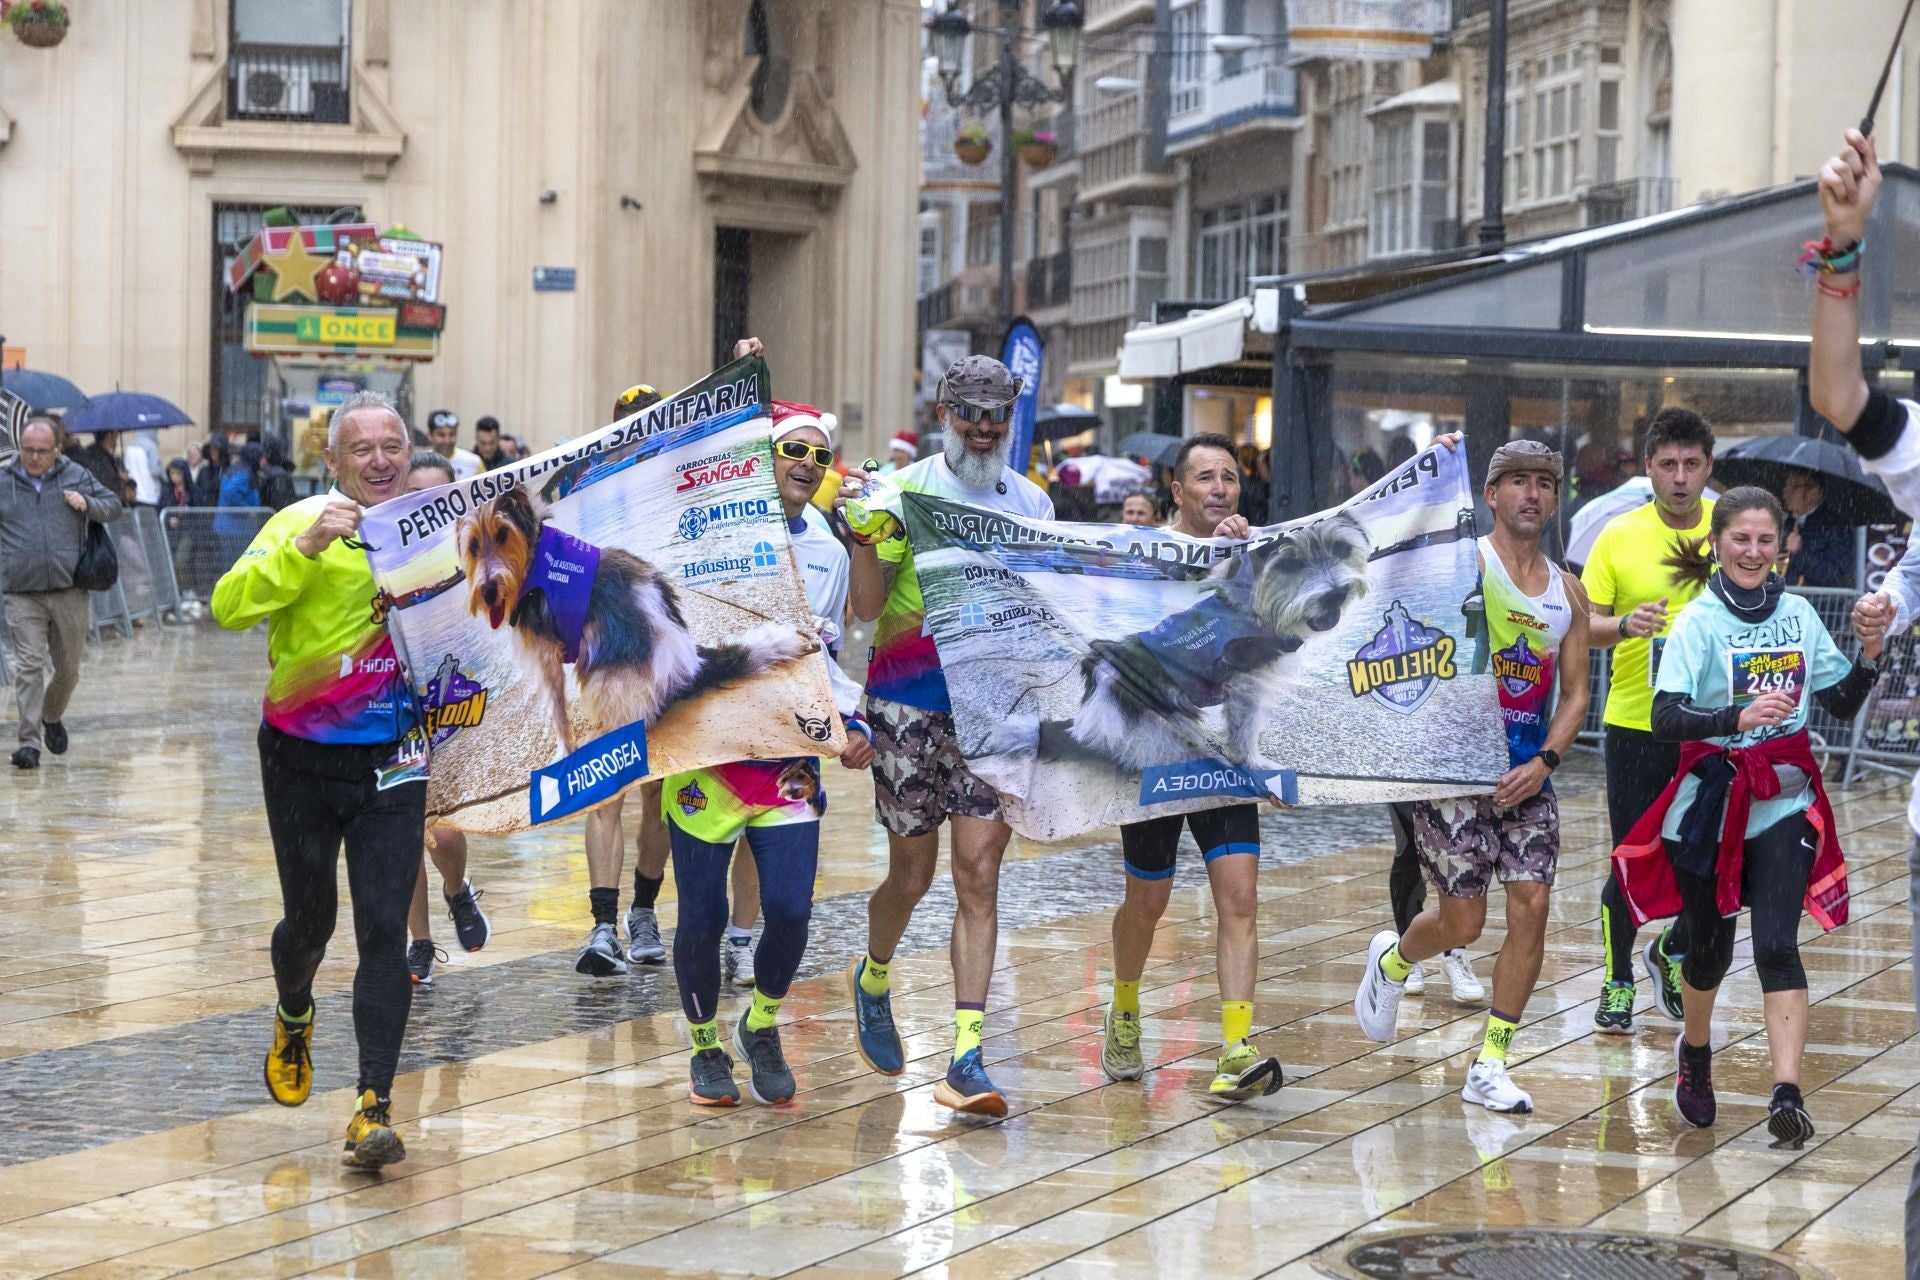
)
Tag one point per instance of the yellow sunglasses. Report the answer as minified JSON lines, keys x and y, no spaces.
{"x":799,"y":451}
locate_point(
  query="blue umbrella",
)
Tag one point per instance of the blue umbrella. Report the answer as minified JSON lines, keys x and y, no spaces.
{"x":43,"y":391}
{"x":124,"y":411}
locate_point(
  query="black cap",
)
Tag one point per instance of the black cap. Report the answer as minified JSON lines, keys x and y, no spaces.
{"x":442,"y":418}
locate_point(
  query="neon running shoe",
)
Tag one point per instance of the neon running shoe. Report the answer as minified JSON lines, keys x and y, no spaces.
{"x":1666,"y":977}
{"x":1120,"y":1046}
{"x":1614,"y":1017}
{"x":968,"y":1090}
{"x":371,"y":1140}
{"x":421,"y":953}
{"x":1693,"y":1083}
{"x":643,"y":937}
{"x":289,"y":1067}
{"x":470,"y":923}
{"x":874,"y":1033}
{"x":770,"y":1079}
{"x":1242,"y":1073}
{"x":710,"y":1080}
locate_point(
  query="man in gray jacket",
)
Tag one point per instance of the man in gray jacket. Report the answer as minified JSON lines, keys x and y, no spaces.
{"x":45,"y":503}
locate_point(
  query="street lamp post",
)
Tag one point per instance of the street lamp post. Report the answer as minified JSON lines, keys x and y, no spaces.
{"x":1002,"y":87}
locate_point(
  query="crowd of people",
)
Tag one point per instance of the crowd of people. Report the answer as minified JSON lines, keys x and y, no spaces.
{"x":1715,"y":800}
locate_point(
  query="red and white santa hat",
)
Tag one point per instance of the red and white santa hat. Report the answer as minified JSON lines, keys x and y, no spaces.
{"x":905,"y":441}
{"x":790,"y":415}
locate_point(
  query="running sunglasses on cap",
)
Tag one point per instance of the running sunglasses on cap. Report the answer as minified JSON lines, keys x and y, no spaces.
{"x":973,"y":412}
{"x":799,"y":451}
{"x":634,"y":393}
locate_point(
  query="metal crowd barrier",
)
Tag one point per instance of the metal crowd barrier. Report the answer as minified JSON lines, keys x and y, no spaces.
{"x":202,"y":543}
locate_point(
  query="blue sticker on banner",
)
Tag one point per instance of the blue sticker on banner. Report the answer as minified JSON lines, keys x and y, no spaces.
{"x":598,"y":771}
{"x":1197,"y":779}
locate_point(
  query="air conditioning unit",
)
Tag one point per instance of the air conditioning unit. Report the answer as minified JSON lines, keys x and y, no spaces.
{"x":278,"y":88}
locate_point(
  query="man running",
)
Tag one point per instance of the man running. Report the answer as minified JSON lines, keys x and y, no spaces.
{"x":1536,"y":619}
{"x":337,"y":707}
{"x":447,"y":846}
{"x":773,"y":807}
{"x":1206,"y":500}
{"x":1635,"y":594}
{"x":920,"y":778}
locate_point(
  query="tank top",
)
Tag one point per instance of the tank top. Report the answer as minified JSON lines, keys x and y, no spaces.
{"x":1524,"y":633}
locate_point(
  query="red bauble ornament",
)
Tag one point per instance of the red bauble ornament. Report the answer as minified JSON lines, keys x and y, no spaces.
{"x":337,"y":284}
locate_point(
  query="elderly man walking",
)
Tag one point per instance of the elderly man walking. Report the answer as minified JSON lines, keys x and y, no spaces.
{"x":45,"y":503}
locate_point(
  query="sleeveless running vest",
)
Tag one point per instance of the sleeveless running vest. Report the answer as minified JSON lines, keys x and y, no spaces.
{"x":1525,"y":633}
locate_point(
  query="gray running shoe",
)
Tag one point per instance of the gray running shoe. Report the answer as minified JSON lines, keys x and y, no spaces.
{"x":421,"y":953}
{"x":710,"y":1080}
{"x":736,"y":961}
{"x":470,"y":923}
{"x":643,"y":937}
{"x":601,"y":958}
{"x":770,"y":1080}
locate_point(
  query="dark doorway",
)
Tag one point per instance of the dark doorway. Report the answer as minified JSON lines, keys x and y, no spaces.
{"x":732,"y":283}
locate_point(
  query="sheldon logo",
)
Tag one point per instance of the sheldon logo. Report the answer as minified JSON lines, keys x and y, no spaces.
{"x":1403,"y":662}
{"x":453,"y":701}
{"x":691,"y":799}
{"x":1518,"y":667}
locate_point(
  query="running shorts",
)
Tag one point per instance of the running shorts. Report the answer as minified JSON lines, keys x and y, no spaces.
{"x":1463,"y":842}
{"x":920,"y":779}
{"x":1149,"y":846}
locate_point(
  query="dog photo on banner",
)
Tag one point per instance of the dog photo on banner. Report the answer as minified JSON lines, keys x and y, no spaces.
{"x":622,"y":607}
{"x":1101,"y":674}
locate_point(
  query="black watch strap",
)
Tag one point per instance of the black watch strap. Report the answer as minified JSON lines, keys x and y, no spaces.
{"x":1550,"y":758}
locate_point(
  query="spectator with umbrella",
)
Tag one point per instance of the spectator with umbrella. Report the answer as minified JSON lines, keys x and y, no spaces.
{"x":1827,"y":492}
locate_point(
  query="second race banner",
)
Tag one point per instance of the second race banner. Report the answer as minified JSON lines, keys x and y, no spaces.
{"x":1101,"y":674}
{"x":623,"y":607}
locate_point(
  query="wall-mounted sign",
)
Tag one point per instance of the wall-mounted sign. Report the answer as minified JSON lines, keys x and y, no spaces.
{"x":272,"y":329}
{"x":553,"y":279}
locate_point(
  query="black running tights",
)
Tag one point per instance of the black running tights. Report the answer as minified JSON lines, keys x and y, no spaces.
{"x":1639,"y":767}
{"x":318,"y":797}
{"x":1406,"y":883}
{"x":1774,"y":885}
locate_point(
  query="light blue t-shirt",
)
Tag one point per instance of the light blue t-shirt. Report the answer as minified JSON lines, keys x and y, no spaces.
{"x":1716,"y":657}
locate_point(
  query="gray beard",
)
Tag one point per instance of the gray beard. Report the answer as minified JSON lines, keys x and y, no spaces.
{"x":973,"y":470}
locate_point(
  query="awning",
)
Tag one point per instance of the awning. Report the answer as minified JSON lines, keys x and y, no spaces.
{"x":1197,"y":341}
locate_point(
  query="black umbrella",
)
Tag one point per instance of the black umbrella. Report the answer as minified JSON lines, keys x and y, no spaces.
{"x":1152,"y":446}
{"x":1063,"y":420}
{"x":1767,"y":461}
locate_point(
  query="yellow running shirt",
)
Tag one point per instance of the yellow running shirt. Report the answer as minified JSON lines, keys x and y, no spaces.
{"x":1625,"y":571}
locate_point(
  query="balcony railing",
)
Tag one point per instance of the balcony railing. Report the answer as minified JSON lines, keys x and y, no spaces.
{"x":1268,"y":89}
{"x":299,"y":82}
{"x":958,"y":303}
{"x":1049,"y":281}
{"x":1628,"y":199}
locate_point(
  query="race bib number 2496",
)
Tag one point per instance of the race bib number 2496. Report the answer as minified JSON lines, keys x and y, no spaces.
{"x":1757,"y":671}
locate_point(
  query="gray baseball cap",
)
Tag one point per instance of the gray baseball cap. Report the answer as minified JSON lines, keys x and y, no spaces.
{"x":1525,"y":455}
{"x":981,"y":381}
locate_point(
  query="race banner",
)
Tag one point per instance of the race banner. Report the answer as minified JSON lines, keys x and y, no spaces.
{"x":1101,"y":674}
{"x":623,"y":607}
{"x":1393,"y":30}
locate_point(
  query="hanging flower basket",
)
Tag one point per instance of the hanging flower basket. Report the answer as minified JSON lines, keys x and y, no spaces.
{"x":972,"y":145}
{"x":38,"y":23}
{"x":1038,"y":149}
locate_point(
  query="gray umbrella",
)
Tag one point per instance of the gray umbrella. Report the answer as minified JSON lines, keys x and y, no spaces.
{"x":1152,"y":446}
{"x":1767,"y":461}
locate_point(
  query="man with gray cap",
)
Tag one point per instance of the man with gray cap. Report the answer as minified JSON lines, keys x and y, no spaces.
{"x":1536,"y":620}
{"x":920,"y":778}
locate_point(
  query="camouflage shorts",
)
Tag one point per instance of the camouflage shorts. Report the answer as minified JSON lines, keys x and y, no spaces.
{"x":919,"y":776}
{"x":1463,"y":841}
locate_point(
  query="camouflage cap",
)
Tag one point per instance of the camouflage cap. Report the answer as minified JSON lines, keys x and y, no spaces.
{"x":981,"y":381}
{"x":1525,"y":455}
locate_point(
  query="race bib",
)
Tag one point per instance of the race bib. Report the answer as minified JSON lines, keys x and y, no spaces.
{"x":1656,"y":645}
{"x":1753,"y":672}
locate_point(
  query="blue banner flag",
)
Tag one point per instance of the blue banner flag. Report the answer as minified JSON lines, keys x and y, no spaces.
{"x":1025,"y":357}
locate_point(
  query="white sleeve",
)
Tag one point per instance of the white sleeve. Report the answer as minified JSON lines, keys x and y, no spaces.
{"x":1899,"y":467}
{"x":827,"y":596}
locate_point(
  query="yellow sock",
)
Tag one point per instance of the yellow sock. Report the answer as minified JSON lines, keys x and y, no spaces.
{"x":765,"y":1010}
{"x":1498,"y":1040}
{"x":1236,"y":1021}
{"x":292,"y":1021}
{"x":967,"y":1024}
{"x":1126,"y":996}
{"x":705,"y":1035}
{"x":874,"y":979}
{"x":1393,"y":966}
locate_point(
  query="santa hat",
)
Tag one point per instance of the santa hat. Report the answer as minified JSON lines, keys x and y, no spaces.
{"x":905,"y":441}
{"x":789,"y":416}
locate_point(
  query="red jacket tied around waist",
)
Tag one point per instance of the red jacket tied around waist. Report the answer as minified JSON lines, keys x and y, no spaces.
{"x":1646,"y":874}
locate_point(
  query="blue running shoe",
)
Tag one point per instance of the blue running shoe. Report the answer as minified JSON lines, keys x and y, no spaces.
{"x":967,"y":1089}
{"x":874,"y":1033}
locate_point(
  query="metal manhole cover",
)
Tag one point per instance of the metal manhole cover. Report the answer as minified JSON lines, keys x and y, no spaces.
{"x":1553,"y":1255}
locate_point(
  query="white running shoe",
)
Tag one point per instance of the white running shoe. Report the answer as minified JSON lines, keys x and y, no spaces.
{"x":736,"y":961}
{"x":1459,"y":971}
{"x":1488,"y":1086}
{"x":1377,"y":1003}
{"x":1417,"y":982}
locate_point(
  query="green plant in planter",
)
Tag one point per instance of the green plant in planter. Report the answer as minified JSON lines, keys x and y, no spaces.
{"x":37,"y":13}
{"x":972,"y":144}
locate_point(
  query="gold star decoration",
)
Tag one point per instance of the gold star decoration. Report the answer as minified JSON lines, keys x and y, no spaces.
{"x":294,"y":269}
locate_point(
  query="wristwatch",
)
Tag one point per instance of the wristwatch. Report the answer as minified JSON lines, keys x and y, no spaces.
{"x":1549,"y":758}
